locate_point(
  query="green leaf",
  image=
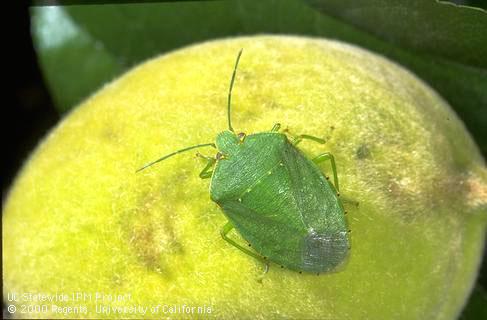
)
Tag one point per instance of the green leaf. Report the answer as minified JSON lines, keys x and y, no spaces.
{"x":73,"y":62}
{"x":439,"y":29}
{"x":476,"y":307}
{"x":97,"y":42}
{"x":444,"y":44}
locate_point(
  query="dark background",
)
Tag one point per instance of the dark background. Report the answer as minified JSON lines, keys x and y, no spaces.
{"x":30,"y":112}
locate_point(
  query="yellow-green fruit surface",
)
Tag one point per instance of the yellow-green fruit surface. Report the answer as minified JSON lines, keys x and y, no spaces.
{"x":79,"y":219}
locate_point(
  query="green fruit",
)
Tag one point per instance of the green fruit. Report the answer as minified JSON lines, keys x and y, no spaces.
{"x":78,"y":218}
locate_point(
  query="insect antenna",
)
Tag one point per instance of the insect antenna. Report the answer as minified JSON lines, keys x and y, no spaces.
{"x":230,"y":91}
{"x":175,"y":153}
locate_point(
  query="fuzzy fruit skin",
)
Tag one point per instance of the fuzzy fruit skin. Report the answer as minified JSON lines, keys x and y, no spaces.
{"x":78,"y":219}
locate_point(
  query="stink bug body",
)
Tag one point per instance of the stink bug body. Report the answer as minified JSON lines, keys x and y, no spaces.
{"x":276,"y":198}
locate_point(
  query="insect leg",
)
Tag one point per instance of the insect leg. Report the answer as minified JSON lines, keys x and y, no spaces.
{"x":347,"y":200}
{"x":225,"y":230}
{"x":206,"y":173}
{"x":276,"y":127}
{"x":301,"y":137}
{"x":328,"y":156}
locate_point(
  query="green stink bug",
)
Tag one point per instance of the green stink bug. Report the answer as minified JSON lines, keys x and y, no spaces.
{"x":276,"y":198}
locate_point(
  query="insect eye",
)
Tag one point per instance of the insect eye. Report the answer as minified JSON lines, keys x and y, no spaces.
{"x":241,"y":136}
{"x":219,"y":156}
